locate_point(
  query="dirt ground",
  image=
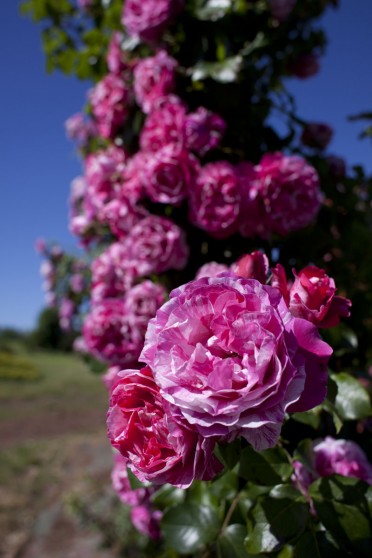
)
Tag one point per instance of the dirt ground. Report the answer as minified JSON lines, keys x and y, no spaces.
{"x":53,"y":446}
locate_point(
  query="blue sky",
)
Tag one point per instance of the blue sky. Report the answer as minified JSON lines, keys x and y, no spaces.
{"x":37,"y":162}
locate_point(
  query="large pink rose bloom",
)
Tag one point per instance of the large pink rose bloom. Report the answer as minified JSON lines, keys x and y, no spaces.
{"x":229,"y":356}
{"x":215,"y":199}
{"x":169,"y":174}
{"x":149,"y":18}
{"x":157,"y":447}
{"x":283,"y":195}
{"x":110,"y":99}
{"x":156,"y":244}
{"x":154,"y":77}
{"x":111,"y":335}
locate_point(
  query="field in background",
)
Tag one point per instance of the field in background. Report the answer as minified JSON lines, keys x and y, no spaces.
{"x":52,"y":447}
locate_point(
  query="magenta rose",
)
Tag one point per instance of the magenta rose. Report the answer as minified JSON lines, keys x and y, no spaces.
{"x":143,"y":300}
{"x":148,"y":19}
{"x":116,"y":60}
{"x":156,"y":244}
{"x":121,"y":216}
{"x":164,"y":125}
{"x":252,"y":266}
{"x":203,"y":130}
{"x":104,"y":171}
{"x":110,"y":99}
{"x":146,"y":520}
{"x":333,"y":457}
{"x":282,"y":196}
{"x":113,"y":273}
{"x":215,"y":199}
{"x":111,"y":335}
{"x":313,"y":297}
{"x":227,"y":353}
{"x":169,"y":174}
{"x":121,"y":484}
{"x":154,"y":77}
{"x":317,"y":135}
{"x":158,"y":448}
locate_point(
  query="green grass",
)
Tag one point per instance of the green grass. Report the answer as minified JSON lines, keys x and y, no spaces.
{"x":13,"y":367}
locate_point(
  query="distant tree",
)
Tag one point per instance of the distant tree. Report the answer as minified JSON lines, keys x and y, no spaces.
{"x":48,"y":333}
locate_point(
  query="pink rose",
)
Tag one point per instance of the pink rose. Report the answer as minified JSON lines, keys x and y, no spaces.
{"x":330,"y":457}
{"x":313,"y":297}
{"x":215,"y":199}
{"x":252,"y":266}
{"x":121,"y":215}
{"x":283,"y":195}
{"x":111,"y":335}
{"x":164,"y":125}
{"x":78,"y":129}
{"x":143,"y":300}
{"x":211,"y":269}
{"x":121,"y":484}
{"x":317,"y":135}
{"x":227,"y":353}
{"x":113,"y":273}
{"x":104,"y":171}
{"x":110,"y":99}
{"x":169,"y":174}
{"x":154,"y":77}
{"x":156,"y":244}
{"x":146,"y":520}
{"x":66,"y":312}
{"x":116,"y":61}
{"x":203,"y":130}
{"x":158,"y":448}
{"x":148,"y":19}
{"x":342,"y":457}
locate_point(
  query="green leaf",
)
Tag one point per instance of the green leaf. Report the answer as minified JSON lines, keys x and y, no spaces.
{"x":188,"y":527}
{"x":331,"y":409}
{"x":224,"y":72}
{"x":310,"y":418}
{"x":276,"y":520}
{"x":318,"y":544}
{"x":231,"y":543}
{"x":229,"y":454}
{"x":268,"y":467}
{"x":352,"y":400}
{"x":342,"y":507}
{"x":133,"y":481}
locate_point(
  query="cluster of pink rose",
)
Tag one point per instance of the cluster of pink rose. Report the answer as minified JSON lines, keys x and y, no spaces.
{"x":226,"y":357}
{"x":66,"y":295}
{"x":237,"y":348}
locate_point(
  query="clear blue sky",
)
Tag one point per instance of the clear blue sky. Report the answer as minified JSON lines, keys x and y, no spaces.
{"x":37,"y":162}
